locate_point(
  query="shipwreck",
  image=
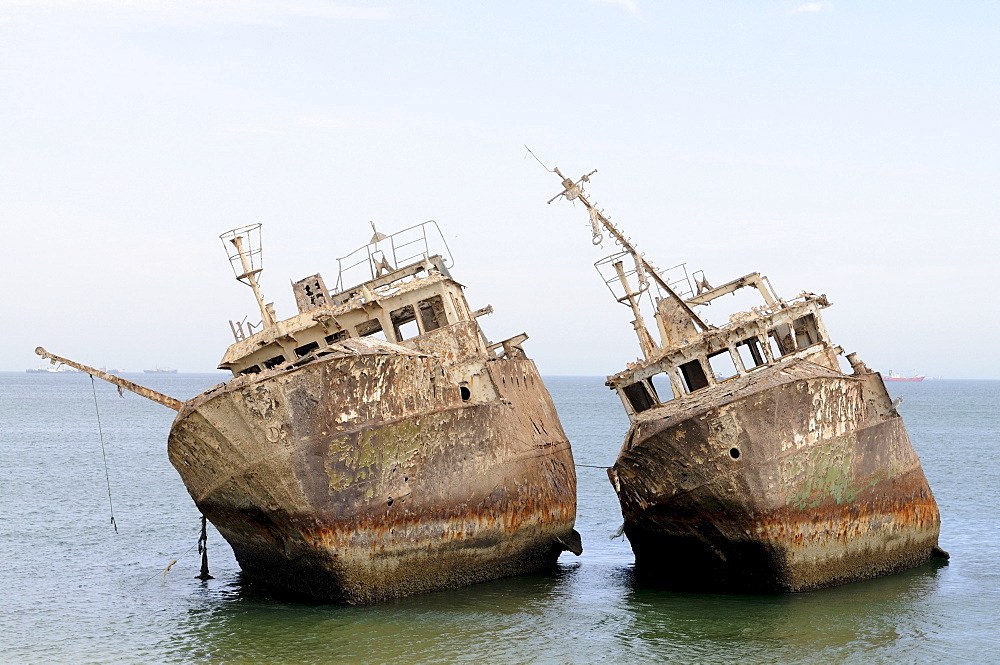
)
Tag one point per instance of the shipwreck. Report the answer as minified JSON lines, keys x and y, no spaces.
{"x":753,"y":462}
{"x":375,"y":445}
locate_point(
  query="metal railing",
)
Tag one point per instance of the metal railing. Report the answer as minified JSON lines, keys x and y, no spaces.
{"x":386,"y":253}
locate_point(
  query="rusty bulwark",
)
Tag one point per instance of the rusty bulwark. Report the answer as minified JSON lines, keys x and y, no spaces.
{"x":369,"y":476}
{"x":801,"y":479}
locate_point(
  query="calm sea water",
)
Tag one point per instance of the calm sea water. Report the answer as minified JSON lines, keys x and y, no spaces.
{"x":74,"y":591}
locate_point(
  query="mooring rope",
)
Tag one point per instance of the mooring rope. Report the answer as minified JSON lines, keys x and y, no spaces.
{"x":100,"y":430}
{"x":594,"y":466}
{"x":163,"y":573}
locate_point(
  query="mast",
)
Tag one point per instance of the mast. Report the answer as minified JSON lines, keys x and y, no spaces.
{"x":247,"y":263}
{"x":573,"y":191}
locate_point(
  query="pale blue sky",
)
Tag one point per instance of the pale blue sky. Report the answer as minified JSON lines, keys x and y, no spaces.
{"x":845,"y":148}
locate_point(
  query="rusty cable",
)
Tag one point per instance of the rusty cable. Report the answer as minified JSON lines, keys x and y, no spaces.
{"x":536,"y":159}
{"x":593,"y":466}
{"x":104,"y":454}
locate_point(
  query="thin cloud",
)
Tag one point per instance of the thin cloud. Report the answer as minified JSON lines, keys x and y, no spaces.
{"x":320,"y":122}
{"x":289,"y":125}
{"x":251,"y":129}
{"x":629,"y":5}
{"x":812,"y":8}
{"x":238,"y":11}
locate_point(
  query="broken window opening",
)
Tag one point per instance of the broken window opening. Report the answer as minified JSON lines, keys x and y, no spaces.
{"x":751,"y":353}
{"x":772,"y":345}
{"x":315,"y":293}
{"x":310,"y":293}
{"x":806,"y":333}
{"x":274,"y":362}
{"x":432,"y":314}
{"x":722,"y":364}
{"x":662,"y":387}
{"x":639,"y":396}
{"x":252,"y":369}
{"x":694,"y":375}
{"x":306,"y":348}
{"x":404,"y":323}
{"x":371,"y":328}
{"x":335,"y":337}
{"x":781,"y":338}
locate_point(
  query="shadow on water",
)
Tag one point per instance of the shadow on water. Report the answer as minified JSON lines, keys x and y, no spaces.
{"x":580,"y":613}
{"x":850,"y":622}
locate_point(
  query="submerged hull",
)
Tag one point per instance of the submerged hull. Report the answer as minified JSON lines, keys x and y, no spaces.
{"x":363,"y":477}
{"x":791,"y":478}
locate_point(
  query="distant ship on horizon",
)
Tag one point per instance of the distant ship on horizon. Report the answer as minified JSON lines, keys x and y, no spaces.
{"x":160,"y":370}
{"x":892,"y":375}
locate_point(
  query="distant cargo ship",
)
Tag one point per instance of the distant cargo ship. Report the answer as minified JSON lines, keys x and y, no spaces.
{"x":893,"y":376}
{"x":157,"y":370}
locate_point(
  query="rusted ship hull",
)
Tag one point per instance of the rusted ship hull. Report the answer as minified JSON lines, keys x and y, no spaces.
{"x":802,"y":478}
{"x":367,"y":477}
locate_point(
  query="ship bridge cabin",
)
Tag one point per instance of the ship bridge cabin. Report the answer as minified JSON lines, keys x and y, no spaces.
{"x":408,"y":298}
{"x":690,"y":361}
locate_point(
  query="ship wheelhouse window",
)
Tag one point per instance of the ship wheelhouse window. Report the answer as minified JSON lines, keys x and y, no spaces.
{"x":252,"y":369}
{"x":694,"y":375}
{"x":432,"y":314}
{"x":274,"y":362}
{"x":806,"y":333}
{"x":722,"y":365}
{"x":306,"y":348}
{"x":404,"y":323}
{"x":640,"y":395}
{"x":662,"y":387}
{"x":751,"y":353}
{"x":371,"y":328}
{"x":781,"y":340}
{"x":335,"y":337}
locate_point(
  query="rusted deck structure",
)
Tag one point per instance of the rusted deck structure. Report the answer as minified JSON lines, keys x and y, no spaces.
{"x":375,"y":445}
{"x":753,"y":462}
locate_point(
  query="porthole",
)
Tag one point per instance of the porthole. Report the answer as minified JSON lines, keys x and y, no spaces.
{"x":734,"y":453}
{"x":466,"y":393}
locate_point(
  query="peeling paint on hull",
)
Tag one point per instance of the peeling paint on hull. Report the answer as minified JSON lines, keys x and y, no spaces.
{"x":801,"y":480}
{"x":368,"y":477}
